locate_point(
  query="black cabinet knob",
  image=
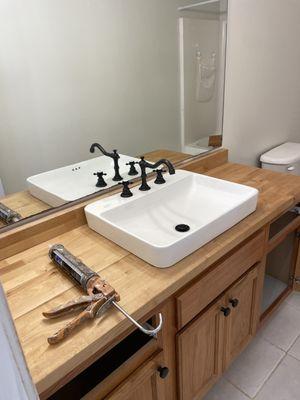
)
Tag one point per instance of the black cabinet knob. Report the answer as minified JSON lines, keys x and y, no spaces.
{"x":234,"y":302}
{"x":226,"y":311}
{"x":163,"y":372}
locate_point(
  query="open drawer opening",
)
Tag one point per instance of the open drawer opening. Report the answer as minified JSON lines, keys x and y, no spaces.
{"x":104,"y":367}
{"x":279,"y":268}
{"x":281,"y":223}
{"x":281,"y":259}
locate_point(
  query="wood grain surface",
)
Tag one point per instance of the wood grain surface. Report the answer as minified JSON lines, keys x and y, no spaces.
{"x":33,"y":284}
{"x":23,"y":203}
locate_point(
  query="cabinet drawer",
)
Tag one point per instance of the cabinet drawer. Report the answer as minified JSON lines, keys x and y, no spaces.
{"x":145,"y":383}
{"x":218,"y":279}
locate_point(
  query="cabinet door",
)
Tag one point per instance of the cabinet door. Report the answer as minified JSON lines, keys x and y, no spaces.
{"x":244,"y":301}
{"x":144,"y":384}
{"x":296,"y":285}
{"x":200,"y":351}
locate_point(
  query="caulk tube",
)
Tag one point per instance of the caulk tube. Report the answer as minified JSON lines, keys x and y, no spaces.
{"x":7,"y":215}
{"x":71,"y":265}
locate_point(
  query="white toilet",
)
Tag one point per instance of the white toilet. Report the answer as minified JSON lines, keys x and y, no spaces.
{"x":284,"y":158}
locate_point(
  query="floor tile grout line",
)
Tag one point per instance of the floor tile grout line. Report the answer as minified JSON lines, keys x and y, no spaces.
{"x":271,"y":374}
{"x":291,"y":305}
{"x":237,"y":388}
{"x":294,"y":343}
{"x":268,"y":376}
{"x":267,"y":340}
{"x":290,"y":355}
{"x":281,"y":360}
{"x":275,"y":345}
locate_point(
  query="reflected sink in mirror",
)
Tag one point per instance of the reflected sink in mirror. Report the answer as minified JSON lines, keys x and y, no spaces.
{"x":62,"y":185}
{"x":127,"y":98}
{"x":169,"y":222}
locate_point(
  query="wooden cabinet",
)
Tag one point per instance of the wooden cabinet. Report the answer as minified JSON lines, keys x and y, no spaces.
{"x":199,"y":295}
{"x":296,"y":285}
{"x":208,"y":344}
{"x":146,"y":383}
{"x":200,"y":353}
{"x":282,"y":261}
{"x":241,"y":325}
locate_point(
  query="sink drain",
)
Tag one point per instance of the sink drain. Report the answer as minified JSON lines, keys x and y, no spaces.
{"x":182,"y":228}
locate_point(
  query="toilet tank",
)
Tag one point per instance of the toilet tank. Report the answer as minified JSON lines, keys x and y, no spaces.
{"x":284,"y":158}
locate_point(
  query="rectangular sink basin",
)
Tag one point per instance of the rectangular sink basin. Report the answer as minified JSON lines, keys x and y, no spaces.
{"x":72,"y":182}
{"x":199,"y":206}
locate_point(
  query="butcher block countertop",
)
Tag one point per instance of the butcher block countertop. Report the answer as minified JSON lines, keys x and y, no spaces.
{"x":23,"y":203}
{"x":33,"y":284}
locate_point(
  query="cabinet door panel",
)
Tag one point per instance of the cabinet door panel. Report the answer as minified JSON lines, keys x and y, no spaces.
{"x":144,"y":384}
{"x":241,"y":325}
{"x":200,"y":353}
{"x":297,"y":266}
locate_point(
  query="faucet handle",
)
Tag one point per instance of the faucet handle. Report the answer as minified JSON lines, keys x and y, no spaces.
{"x":132,"y":170}
{"x":159,"y":178}
{"x":99,"y":173}
{"x":101,"y":182}
{"x":115,"y":156}
{"x":126,"y":192}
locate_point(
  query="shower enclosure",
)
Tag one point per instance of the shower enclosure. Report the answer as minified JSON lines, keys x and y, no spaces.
{"x":202,"y":45}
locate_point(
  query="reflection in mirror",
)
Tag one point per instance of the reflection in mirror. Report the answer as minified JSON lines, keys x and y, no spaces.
{"x":203,"y":35}
{"x":66,"y":184}
{"x":103,"y":72}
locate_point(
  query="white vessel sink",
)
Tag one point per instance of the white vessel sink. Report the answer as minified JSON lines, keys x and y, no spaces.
{"x":145,"y":223}
{"x":72,"y":182}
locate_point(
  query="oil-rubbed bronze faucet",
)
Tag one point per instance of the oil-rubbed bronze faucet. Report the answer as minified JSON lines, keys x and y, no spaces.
{"x":145,"y":164}
{"x":114,"y":155}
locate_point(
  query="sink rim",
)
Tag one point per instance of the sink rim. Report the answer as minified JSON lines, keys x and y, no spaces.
{"x":59,"y":197}
{"x":117,"y":202}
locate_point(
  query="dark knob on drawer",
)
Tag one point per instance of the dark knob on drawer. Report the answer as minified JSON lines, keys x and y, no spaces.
{"x":163,"y":372}
{"x":226,"y":311}
{"x":234,"y":302}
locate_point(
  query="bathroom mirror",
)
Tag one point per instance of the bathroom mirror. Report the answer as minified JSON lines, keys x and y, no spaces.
{"x":143,"y":77}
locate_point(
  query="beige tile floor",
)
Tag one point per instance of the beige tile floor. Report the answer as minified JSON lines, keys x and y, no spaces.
{"x":269,"y":369}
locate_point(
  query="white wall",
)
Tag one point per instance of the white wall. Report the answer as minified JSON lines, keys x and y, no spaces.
{"x":262,"y":100}
{"x":75,"y":72}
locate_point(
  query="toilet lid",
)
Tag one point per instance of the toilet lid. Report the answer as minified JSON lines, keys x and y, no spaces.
{"x":287,"y":153}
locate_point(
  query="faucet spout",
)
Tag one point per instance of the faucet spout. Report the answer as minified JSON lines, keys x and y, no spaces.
{"x":114,"y":155}
{"x":145,"y":164}
{"x":163,"y":161}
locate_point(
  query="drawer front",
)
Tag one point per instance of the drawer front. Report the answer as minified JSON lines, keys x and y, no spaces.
{"x":210,"y":286}
{"x":145,"y":383}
